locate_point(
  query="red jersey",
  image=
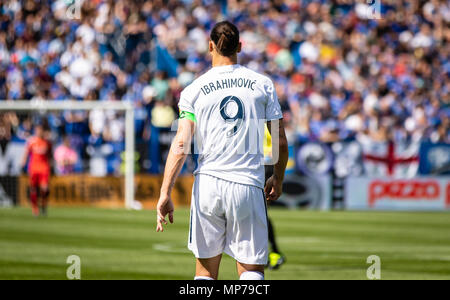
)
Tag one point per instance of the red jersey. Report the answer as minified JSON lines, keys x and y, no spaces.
{"x":39,"y":150}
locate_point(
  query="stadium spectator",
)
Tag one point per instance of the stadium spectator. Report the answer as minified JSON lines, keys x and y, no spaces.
{"x":339,"y":72}
{"x":65,"y":157}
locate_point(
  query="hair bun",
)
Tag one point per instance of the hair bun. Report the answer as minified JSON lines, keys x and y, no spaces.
{"x":226,"y":38}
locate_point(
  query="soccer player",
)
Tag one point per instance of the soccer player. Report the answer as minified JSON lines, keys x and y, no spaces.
{"x":38,"y":149}
{"x":225,"y":107}
{"x":276,"y":259}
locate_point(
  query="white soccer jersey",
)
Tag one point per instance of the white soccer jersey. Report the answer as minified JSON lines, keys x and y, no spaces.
{"x":231,"y":104}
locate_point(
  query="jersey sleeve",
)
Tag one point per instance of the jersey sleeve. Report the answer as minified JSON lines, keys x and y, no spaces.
{"x":273,"y":108}
{"x":187,"y":99}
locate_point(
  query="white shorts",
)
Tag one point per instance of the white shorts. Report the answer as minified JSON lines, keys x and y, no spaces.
{"x":228,"y":217}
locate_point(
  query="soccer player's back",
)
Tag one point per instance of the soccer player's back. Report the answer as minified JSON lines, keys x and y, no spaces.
{"x":227,"y":107}
{"x":231,"y":103}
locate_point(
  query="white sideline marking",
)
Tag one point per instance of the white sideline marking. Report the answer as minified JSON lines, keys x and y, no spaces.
{"x":170,"y":248}
{"x":300,"y":240}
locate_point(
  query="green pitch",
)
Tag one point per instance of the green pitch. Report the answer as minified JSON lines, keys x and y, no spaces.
{"x":120,"y":244}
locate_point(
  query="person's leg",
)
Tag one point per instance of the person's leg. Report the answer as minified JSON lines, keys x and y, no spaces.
{"x":207,"y":227}
{"x":247,"y":236}
{"x":276,"y":259}
{"x":34,"y":194}
{"x":34,"y":200}
{"x":250,"y":272}
{"x":272,"y":240}
{"x":207,"y":268}
{"x":43,"y":193}
{"x":44,"y":199}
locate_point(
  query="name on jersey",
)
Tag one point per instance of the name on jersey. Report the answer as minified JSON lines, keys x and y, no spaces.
{"x":228,"y":84}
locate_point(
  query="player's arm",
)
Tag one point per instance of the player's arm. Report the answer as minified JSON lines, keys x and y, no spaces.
{"x":177,"y":156}
{"x":274,"y":185}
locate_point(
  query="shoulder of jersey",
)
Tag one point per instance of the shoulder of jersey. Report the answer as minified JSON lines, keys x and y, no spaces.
{"x":31,"y":139}
{"x":195,"y":84}
{"x":263,"y":79}
{"x":266,"y":79}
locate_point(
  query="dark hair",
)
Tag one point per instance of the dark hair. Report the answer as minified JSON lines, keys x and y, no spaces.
{"x":226,"y":37}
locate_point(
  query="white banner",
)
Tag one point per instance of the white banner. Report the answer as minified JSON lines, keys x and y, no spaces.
{"x":398,"y":160}
{"x":421,"y":193}
{"x":11,"y":158}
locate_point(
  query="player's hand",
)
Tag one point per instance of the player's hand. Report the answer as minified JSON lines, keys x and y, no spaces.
{"x":164,"y":207}
{"x":273,"y":188}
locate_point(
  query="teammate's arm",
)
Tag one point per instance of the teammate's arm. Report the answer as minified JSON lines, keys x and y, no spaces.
{"x":274,"y":185}
{"x":177,"y":156}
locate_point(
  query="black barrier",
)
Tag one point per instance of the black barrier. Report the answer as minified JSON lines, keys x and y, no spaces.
{"x":278,"y":289}
{"x":8,"y":190}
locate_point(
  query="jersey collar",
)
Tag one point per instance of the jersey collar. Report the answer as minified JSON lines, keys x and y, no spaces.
{"x":226,"y":68}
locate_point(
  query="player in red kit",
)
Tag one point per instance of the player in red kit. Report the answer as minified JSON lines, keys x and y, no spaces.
{"x":39,"y":151}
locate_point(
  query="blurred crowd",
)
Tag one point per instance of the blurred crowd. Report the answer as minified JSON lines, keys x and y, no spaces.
{"x":342,"y":70}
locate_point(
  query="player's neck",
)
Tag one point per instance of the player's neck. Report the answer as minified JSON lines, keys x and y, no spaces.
{"x":218,"y":60}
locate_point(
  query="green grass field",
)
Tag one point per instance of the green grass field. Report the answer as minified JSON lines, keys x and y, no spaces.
{"x":120,"y":244}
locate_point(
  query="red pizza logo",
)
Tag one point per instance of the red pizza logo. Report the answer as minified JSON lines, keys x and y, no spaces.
{"x":409,"y":190}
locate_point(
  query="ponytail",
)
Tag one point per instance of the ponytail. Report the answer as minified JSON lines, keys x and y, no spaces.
{"x":226,"y":38}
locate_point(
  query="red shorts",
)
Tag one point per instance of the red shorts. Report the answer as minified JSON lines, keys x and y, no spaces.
{"x":39,"y":179}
